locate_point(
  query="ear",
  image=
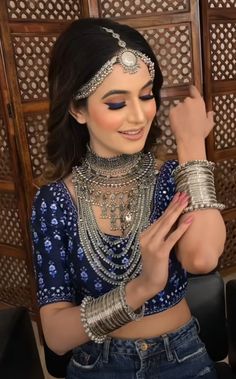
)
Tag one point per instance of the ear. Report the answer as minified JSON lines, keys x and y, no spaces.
{"x":78,"y":114}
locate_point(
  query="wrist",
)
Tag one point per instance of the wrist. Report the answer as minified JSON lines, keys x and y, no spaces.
{"x":137,"y":293}
{"x":191,"y":151}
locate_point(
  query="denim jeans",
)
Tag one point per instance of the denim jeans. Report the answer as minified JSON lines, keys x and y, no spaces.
{"x":177,"y":355}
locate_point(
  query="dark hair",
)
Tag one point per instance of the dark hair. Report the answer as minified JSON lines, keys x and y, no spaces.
{"x":77,"y":55}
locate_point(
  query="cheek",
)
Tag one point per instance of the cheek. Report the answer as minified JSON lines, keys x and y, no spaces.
{"x":105,"y":120}
{"x":151,"y":110}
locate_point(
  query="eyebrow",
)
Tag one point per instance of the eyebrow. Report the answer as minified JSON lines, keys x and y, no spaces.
{"x":118,"y":91}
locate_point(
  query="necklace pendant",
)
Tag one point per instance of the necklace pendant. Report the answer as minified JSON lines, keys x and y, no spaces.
{"x":128,"y":218}
{"x":104,"y":212}
{"x":113,"y":224}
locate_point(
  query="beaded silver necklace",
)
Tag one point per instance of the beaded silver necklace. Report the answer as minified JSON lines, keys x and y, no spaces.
{"x":123,"y":188}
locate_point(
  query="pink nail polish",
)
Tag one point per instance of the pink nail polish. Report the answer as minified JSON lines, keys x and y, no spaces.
{"x":188,"y":220}
{"x":184,"y":200}
{"x":176,"y":197}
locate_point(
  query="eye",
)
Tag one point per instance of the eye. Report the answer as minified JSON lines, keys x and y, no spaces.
{"x":147,"y":97}
{"x":114,"y":106}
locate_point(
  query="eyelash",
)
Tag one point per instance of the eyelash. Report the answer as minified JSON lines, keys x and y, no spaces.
{"x":115,"y":106}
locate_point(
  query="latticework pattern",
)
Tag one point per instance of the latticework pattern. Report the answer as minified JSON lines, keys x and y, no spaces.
{"x":14,"y":282}
{"x":10,"y":229}
{"x":119,"y":8}
{"x":167,"y":138}
{"x":37,"y":134}
{"x":223,"y":50}
{"x":43,"y":9}
{"x":31,"y":57}
{"x":5,"y":163}
{"x":225,"y":180}
{"x":228,"y":259}
{"x":222,"y":3}
{"x":224,"y":107}
{"x":172,"y":48}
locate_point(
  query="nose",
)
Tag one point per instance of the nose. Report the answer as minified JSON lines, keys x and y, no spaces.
{"x":136,"y":113}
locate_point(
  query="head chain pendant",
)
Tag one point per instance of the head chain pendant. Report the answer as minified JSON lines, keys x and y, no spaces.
{"x":127,"y":58}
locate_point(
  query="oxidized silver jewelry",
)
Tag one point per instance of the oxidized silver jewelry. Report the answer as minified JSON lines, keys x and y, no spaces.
{"x":125,"y":199}
{"x":196,"y":178}
{"x":108,"y":312}
{"x":127,"y":58}
{"x":113,"y":184}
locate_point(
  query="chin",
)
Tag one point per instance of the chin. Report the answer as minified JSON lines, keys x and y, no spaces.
{"x":134,"y":149}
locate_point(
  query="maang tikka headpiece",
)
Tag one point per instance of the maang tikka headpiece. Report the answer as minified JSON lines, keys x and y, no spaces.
{"x":127,"y":58}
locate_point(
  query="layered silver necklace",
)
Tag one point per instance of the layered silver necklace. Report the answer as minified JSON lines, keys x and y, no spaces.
{"x":122,"y":187}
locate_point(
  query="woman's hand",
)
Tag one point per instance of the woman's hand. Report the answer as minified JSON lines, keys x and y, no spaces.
{"x":191,"y":124}
{"x":189,"y":119}
{"x":156,"y":243}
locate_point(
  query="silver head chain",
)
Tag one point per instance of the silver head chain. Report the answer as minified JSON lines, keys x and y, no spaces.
{"x":127,"y":58}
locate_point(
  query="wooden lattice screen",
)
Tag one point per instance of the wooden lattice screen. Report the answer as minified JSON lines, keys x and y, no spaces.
{"x":219,"y":62}
{"x":28,"y":30}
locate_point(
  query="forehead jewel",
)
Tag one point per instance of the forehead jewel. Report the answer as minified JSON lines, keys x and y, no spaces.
{"x":127,"y":58}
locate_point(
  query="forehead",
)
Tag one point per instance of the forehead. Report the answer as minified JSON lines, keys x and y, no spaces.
{"x":120,"y":80}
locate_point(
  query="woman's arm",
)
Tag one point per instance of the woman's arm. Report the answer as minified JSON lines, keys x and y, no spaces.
{"x":61,"y":322}
{"x":200,"y":247}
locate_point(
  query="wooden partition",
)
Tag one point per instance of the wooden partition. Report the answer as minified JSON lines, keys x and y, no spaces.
{"x":219,"y":64}
{"x":28,"y":30}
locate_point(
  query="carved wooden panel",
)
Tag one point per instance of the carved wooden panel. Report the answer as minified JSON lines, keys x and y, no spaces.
{"x":224,"y":107}
{"x":121,"y":8}
{"x":36,"y":128}
{"x":10,"y":229}
{"x":173,"y":48}
{"x":43,"y":9}
{"x":28,"y":31}
{"x":219,"y":63}
{"x":31,"y":56}
{"x":223,"y":50}
{"x":221,"y":3}
{"x":14,"y":279}
{"x":167,"y":138}
{"x":5,"y":163}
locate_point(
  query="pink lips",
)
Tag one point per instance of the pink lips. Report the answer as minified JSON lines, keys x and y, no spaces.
{"x":133,"y":135}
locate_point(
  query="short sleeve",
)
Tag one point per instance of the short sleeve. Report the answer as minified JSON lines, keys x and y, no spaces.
{"x":165,"y":188}
{"x":50,"y":243}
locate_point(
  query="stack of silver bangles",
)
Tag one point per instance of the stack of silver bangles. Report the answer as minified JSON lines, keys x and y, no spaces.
{"x":196,"y":178}
{"x":108,"y":312}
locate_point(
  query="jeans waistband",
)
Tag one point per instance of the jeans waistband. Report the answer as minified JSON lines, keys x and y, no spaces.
{"x":149,"y":346}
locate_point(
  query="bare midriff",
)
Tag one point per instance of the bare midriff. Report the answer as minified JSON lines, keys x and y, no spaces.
{"x":149,"y":326}
{"x":157,"y":324}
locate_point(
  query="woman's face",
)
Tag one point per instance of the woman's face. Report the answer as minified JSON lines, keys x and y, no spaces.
{"x":120,"y":112}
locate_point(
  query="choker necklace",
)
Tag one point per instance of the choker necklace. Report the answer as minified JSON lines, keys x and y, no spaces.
{"x":115,"y":185}
{"x":123,"y":188}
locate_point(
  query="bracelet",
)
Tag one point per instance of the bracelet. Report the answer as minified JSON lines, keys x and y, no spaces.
{"x":106,"y":313}
{"x":196,"y":178}
{"x":134,"y":316}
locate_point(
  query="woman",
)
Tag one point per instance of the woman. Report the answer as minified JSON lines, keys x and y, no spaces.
{"x":113,"y":236}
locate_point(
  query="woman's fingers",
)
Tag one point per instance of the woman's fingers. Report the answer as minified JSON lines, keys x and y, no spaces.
{"x":174,"y":237}
{"x":194,"y":93}
{"x":164,"y":224}
{"x":210,"y":122}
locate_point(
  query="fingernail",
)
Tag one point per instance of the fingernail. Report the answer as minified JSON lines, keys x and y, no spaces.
{"x":184,"y":198}
{"x":188,"y":220}
{"x":176,"y":197}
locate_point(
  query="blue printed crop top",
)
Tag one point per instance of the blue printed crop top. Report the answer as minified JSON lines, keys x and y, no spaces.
{"x":63,"y":272}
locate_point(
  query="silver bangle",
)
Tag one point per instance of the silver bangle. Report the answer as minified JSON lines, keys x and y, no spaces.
{"x":134,"y":315}
{"x":196,"y":178}
{"x":107,"y":313}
